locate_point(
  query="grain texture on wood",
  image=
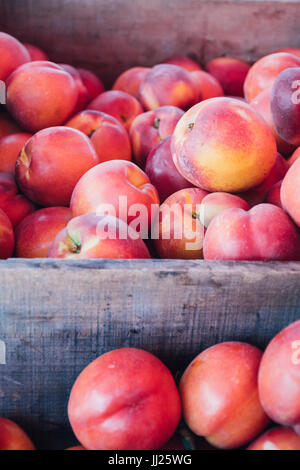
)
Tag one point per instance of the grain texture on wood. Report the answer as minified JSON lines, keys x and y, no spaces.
{"x":57,"y":316}
{"x":110,"y":36}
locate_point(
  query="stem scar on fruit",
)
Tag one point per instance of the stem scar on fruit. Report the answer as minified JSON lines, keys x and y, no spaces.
{"x":156,"y":123}
{"x":191,"y":126}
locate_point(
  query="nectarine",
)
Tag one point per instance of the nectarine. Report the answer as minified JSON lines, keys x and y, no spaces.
{"x":150,"y":128}
{"x":219,"y":394}
{"x":222,"y":144}
{"x":140,"y":405}
{"x":52,"y":162}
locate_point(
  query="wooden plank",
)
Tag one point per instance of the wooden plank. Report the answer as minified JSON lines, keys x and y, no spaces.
{"x":110,"y":36}
{"x":57,"y":316}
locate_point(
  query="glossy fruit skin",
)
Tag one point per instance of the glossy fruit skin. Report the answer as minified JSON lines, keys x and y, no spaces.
{"x":116,"y":397}
{"x":36,"y":232}
{"x":109,"y":137}
{"x":168,"y":85}
{"x":148,"y":129}
{"x":12,"y":437}
{"x":92,"y":83}
{"x":279,"y":377}
{"x":179,"y":232}
{"x":10,"y":147}
{"x":264,"y":72}
{"x":85,"y":237}
{"x":231,"y":74}
{"x":101,"y":188}
{"x":120,"y":105}
{"x":278,"y":438}
{"x":12,"y":55}
{"x":185,"y":62}
{"x":7,"y":238}
{"x":219,"y":395}
{"x":273,"y":196}
{"x":215,"y":203}
{"x":262,"y":104}
{"x":15,"y":205}
{"x":162,"y":172}
{"x":261,"y":234}
{"x":41,"y":94}
{"x":285,"y":105}
{"x":35,"y":52}
{"x":208,"y":85}
{"x":258,"y":194}
{"x":52,"y":162}
{"x":83,"y":95}
{"x":294,"y":157}
{"x":290,"y":195}
{"x":222,"y":144}
{"x":130,"y":80}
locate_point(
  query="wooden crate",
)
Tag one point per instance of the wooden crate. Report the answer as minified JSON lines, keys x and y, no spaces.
{"x":57,"y":316}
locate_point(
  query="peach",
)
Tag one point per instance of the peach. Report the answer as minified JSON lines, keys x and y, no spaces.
{"x":35,"y":52}
{"x":118,"y":104}
{"x":150,"y":128}
{"x":14,"y":204}
{"x":162,"y":172}
{"x":41,"y":94}
{"x":279,"y":377}
{"x":215,"y":203}
{"x":52,"y":162}
{"x":219,"y":394}
{"x":10,"y":147}
{"x":167,"y":84}
{"x":230,"y":73}
{"x":208,"y":85}
{"x":109,"y":137}
{"x":130,"y":80}
{"x":222,"y":144}
{"x":7,"y":238}
{"x":126,"y":399}
{"x":264,"y":233}
{"x":262,"y":104}
{"x":277,"y":439}
{"x":185,"y":62}
{"x":285,"y":105}
{"x":83,"y":95}
{"x":291,"y":50}
{"x":179,"y":232}
{"x":12,"y":55}
{"x":7,"y":125}
{"x":12,"y":437}
{"x":258,"y":194}
{"x":36,"y":232}
{"x":92,"y":83}
{"x":97,"y":236}
{"x":119,"y":188}
{"x":263,"y":73}
{"x":290,"y":193}
{"x":273,"y":196}
{"x":294,"y":157}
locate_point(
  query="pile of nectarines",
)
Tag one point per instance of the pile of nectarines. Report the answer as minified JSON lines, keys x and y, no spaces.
{"x":228,"y":395}
{"x":196,"y":163}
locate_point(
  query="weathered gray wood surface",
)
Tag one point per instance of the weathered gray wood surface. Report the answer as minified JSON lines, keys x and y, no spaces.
{"x":111,"y":35}
{"x":57,"y":316}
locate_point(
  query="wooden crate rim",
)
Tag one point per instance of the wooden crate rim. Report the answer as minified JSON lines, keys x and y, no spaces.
{"x":152,"y":265}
